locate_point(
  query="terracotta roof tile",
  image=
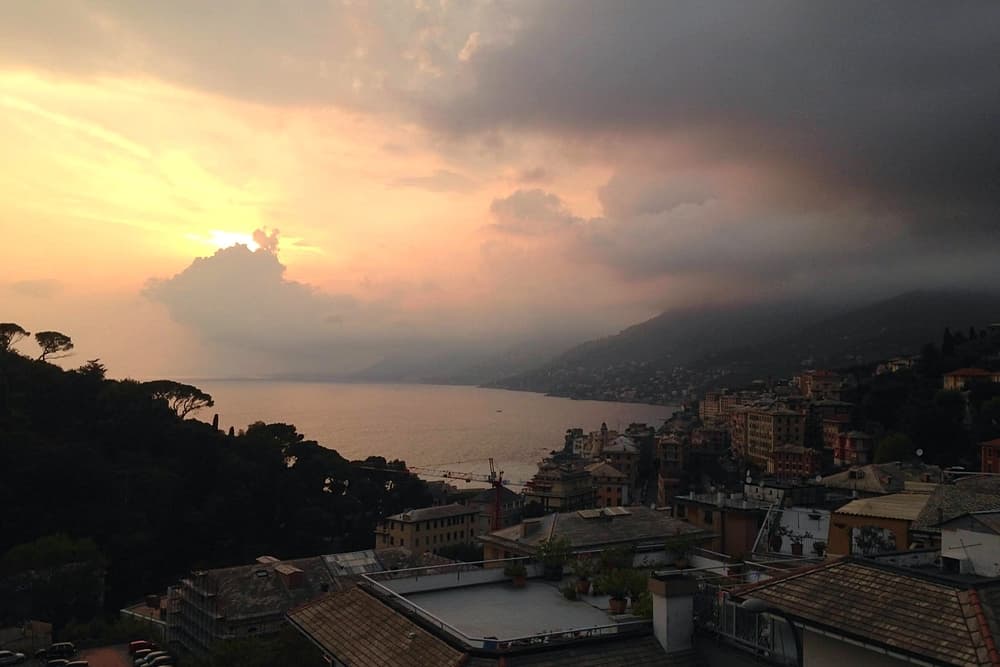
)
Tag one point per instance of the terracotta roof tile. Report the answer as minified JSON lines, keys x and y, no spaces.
{"x":888,"y":607}
{"x":360,"y":631}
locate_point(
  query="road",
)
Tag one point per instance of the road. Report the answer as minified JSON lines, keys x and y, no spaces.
{"x":107,"y":656}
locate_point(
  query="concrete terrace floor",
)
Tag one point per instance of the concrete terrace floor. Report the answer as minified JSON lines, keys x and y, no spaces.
{"x":504,"y":612}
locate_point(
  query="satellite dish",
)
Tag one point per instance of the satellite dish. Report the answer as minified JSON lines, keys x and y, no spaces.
{"x":819,"y":478}
{"x":920,"y":452}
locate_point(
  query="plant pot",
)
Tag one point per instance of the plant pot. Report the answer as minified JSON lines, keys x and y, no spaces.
{"x":796,"y":548}
{"x":553,"y":572}
{"x":583,"y":586}
{"x":519,"y":581}
{"x":617,"y":605}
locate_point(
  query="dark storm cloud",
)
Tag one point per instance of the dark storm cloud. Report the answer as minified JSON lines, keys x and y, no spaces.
{"x":897,"y":99}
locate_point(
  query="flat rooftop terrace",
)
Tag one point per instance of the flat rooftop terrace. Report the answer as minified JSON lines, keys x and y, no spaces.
{"x":481,"y":608}
{"x":503,"y":612}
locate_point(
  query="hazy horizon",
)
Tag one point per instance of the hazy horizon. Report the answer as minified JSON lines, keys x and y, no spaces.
{"x":317,"y":187}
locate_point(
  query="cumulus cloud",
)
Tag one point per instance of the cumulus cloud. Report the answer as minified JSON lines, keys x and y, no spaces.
{"x":531,"y":213}
{"x":267,"y":241}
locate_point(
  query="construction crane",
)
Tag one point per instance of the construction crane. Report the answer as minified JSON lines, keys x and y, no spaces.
{"x":494,"y":479}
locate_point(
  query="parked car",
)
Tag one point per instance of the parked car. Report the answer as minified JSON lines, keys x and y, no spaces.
{"x":149,"y":657}
{"x":57,"y":662}
{"x":61,"y":650}
{"x":162,"y":661}
{"x":141,"y":653}
{"x":78,"y":663}
{"x":11,"y":658}
{"x":140,"y":645}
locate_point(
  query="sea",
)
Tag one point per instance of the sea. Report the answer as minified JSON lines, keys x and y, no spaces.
{"x":447,"y":427}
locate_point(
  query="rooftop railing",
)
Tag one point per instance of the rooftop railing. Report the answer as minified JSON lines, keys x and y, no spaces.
{"x":465,"y":575}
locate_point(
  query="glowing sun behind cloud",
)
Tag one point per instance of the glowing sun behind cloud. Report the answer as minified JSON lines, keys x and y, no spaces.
{"x":223,"y":239}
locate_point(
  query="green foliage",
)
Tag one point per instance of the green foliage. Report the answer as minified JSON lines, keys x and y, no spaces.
{"x":101,"y":632}
{"x":583,"y":568}
{"x":569,"y":592}
{"x":53,"y":343}
{"x":288,"y":647}
{"x":515,"y":569}
{"x":467,"y":553}
{"x":48,"y":552}
{"x":158,"y":495}
{"x":10,"y":334}
{"x":183,"y":399}
{"x":642,"y":606}
{"x":894,"y":447}
{"x":614,"y":583}
{"x":614,"y":558}
{"x":555,"y":551}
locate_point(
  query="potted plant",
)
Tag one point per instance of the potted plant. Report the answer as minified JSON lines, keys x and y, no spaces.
{"x":617,"y":558}
{"x":636,"y":584}
{"x":819,"y":548}
{"x":554,"y":553}
{"x":517,"y":572}
{"x":680,"y":548}
{"x":615,"y":584}
{"x":583,"y":568}
{"x":569,"y":592}
{"x":797,"y":539}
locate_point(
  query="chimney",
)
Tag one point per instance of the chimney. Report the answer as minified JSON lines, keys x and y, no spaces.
{"x":290,"y":575}
{"x":673,"y":611}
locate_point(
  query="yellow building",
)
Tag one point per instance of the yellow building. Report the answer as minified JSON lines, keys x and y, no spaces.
{"x":428,"y":529}
{"x":769,"y":429}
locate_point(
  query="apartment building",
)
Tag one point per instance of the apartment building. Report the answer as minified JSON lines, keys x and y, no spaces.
{"x":430,"y":528}
{"x":769,"y":429}
{"x":611,"y":485}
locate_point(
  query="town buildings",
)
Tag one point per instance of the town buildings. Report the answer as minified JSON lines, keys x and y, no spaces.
{"x":854,"y":448}
{"x":962,"y":378}
{"x":795,"y":462}
{"x":647,"y":531}
{"x":869,"y":526}
{"x":612,"y":485}
{"x":970,"y":543}
{"x":562,"y":483}
{"x":769,"y":429}
{"x":989,"y":456}
{"x":244,"y":601}
{"x":732,"y":519}
{"x":430,"y":528}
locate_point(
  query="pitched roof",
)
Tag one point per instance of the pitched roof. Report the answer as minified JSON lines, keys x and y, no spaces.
{"x":247,"y":591}
{"x":890,"y":607}
{"x":969,"y":494}
{"x":488,"y":495}
{"x":360,"y":631}
{"x":637,"y":525}
{"x":437,"y":512}
{"x":603,"y":469}
{"x":622,"y":444}
{"x":905,"y":506}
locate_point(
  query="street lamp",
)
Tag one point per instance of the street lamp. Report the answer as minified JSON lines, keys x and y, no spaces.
{"x":758,"y":606}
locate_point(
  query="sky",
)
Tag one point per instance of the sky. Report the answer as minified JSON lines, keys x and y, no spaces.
{"x":239,"y":188}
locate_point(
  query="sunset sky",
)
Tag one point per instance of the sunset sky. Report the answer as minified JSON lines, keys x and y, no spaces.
{"x":476,"y":172}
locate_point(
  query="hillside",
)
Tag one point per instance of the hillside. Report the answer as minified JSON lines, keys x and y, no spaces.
{"x":658,"y":360}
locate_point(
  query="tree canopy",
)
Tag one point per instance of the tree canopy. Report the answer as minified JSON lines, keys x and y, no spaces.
{"x":10,"y":334}
{"x":53,"y":343}
{"x":182,"y":398}
{"x":113,"y":462}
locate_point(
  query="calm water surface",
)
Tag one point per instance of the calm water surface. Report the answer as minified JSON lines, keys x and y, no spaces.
{"x":426,"y":425}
